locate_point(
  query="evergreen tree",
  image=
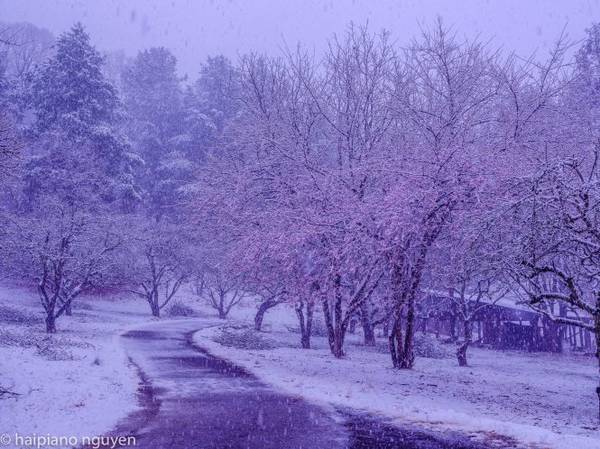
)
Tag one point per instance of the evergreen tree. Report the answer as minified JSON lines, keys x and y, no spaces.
{"x":208,"y":106}
{"x":71,"y":92}
{"x":201,"y":129}
{"x":588,"y":64}
{"x":158,"y":128}
{"x":218,"y":90}
{"x":152,"y":93}
{"x":76,"y":127}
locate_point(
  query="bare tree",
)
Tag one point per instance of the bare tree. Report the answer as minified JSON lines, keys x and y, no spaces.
{"x":9,"y":148}
{"x":554,"y":193}
{"x":304,"y":311}
{"x":162,"y":264}
{"x":472,"y":296}
{"x":224,"y":291}
{"x":352,"y":101}
{"x":559,"y":260}
{"x":469,"y":265}
{"x":270,"y":297}
{"x":27,"y":47}
{"x":445,"y":97}
{"x":66,"y":252}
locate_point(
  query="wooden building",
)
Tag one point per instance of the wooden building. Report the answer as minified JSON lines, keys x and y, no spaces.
{"x":504,"y":325}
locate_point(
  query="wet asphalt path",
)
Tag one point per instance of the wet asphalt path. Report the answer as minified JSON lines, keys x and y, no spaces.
{"x":192,"y":400}
{"x":199,"y":401}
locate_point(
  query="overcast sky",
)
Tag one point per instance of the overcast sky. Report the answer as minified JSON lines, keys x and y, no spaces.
{"x":193,"y":29}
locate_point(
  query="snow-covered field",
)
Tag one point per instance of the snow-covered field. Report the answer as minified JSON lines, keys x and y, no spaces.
{"x":77,"y":382}
{"x":544,"y":400}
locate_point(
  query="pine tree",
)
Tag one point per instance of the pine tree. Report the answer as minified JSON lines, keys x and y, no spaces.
{"x":588,"y":64}
{"x":71,"y":92}
{"x":152,"y":92}
{"x":158,"y":127}
{"x":218,"y":90}
{"x":77,"y":117}
{"x":210,"y":105}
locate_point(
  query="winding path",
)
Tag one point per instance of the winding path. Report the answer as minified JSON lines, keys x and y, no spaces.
{"x":192,"y":400}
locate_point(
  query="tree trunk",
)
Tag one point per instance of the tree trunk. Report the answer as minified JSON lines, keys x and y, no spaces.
{"x":335,"y":329}
{"x":597,"y":331}
{"x":68,"y":309}
{"x":221,"y":309}
{"x":338,"y":342}
{"x":369,"y":335}
{"x":154,"y":308}
{"x":154,"y":301}
{"x":260,"y":316}
{"x":50,"y":322}
{"x":402,"y":346}
{"x":461,"y":351}
{"x":396,"y":341}
{"x":352,"y":326}
{"x":392,"y":346}
{"x":328,"y":322}
{"x":305,"y":323}
{"x":408,"y":354}
{"x":453,"y":313}
{"x":339,"y":328}
{"x":367,"y":325}
{"x":386,"y":328}
{"x":260,"y":313}
{"x":305,"y":340}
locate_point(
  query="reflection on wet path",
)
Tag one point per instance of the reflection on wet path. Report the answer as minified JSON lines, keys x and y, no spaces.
{"x":206,"y":402}
{"x":193,"y":400}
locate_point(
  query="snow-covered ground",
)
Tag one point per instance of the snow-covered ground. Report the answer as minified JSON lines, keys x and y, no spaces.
{"x":545,"y":400}
{"x":82,"y":383}
{"x":77,"y":382}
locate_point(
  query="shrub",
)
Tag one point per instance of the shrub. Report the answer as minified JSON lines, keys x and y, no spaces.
{"x":243,"y":338}
{"x":77,"y":305}
{"x":428,"y":346}
{"x":52,"y":351}
{"x":178,"y":308}
{"x":318,"y":328}
{"x":14,"y":316}
{"x":425,"y":345}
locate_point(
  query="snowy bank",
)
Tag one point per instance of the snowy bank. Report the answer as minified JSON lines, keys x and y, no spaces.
{"x":77,"y":382}
{"x":537,"y":399}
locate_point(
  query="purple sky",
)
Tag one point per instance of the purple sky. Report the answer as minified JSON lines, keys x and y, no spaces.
{"x":194,"y":29}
